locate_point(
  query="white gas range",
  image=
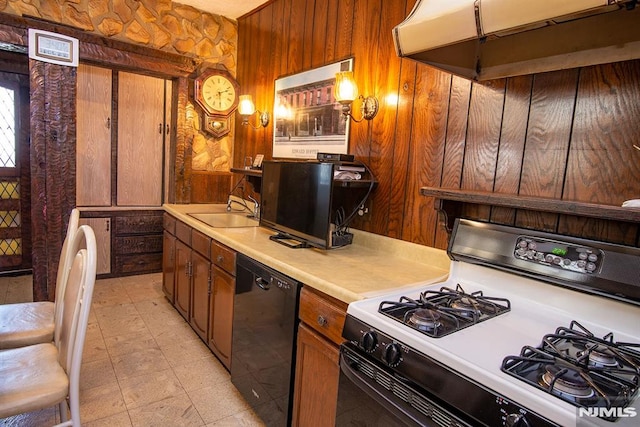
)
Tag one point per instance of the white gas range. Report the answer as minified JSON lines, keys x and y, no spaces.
{"x":498,"y":344}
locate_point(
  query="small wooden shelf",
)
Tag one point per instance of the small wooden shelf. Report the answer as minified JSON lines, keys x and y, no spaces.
{"x":254,"y":176}
{"x":540,"y":204}
{"x":249,"y":172}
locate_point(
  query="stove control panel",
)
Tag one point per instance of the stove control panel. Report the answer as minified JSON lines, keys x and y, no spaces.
{"x":575,"y":258}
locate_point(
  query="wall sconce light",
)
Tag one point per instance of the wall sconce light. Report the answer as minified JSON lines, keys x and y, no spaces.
{"x":246,"y":108}
{"x":346,"y":91}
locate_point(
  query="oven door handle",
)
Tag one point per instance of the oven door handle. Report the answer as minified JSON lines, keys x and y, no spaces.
{"x":376,"y":392}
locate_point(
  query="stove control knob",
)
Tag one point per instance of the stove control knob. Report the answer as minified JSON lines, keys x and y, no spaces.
{"x":369,"y":341}
{"x":392,"y":355}
{"x":516,"y":420}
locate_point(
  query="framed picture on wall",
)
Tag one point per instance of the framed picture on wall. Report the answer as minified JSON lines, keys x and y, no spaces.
{"x":307,"y":118}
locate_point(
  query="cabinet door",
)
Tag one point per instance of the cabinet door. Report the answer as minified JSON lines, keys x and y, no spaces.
{"x":221,"y":316}
{"x":316,"y":381}
{"x":93,"y":145}
{"x":141,"y":129}
{"x":168,"y":265}
{"x":102,"y":229}
{"x":183,"y":279}
{"x":200,"y":289}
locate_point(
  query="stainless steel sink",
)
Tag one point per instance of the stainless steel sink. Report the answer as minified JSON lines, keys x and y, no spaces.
{"x":226,"y":220}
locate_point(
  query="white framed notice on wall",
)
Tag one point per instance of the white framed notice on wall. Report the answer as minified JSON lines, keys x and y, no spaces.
{"x":54,"y":48}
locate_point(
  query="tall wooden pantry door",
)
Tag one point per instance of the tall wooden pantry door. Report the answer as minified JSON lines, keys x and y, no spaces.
{"x":141,"y":128}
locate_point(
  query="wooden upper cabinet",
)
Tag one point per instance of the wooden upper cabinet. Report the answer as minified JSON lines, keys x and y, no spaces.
{"x":93,"y":150}
{"x":141,"y":130}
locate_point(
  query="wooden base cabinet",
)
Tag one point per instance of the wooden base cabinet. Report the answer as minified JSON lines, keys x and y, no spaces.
{"x":221,"y":313}
{"x":168,"y":265}
{"x":318,"y":359}
{"x":316,"y":384}
{"x":182,"y":301}
{"x":199,"y":280}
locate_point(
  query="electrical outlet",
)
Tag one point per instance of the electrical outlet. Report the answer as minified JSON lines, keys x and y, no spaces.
{"x":363,"y":210}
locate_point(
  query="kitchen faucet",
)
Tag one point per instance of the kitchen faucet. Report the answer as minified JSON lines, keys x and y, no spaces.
{"x":256,"y":207}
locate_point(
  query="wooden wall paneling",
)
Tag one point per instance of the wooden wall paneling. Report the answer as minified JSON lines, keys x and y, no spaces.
{"x":312,"y":24}
{"x":277,"y":63}
{"x":244,"y":51}
{"x":297,"y":21}
{"x":384,"y":124}
{"x":483,"y":139}
{"x":264,"y":82}
{"x":322,"y":40}
{"x":454,"y":148}
{"x":601,"y":141}
{"x":280,"y":23}
{"x":457,"y":122}
{"x":344,"y":29}
{"x":600,"y":166}
{"x":331,"y":36}
{"x":210,"y":187}
{"x":286,"y":37}
{"x":402,"y":134}
{"x":243,"y":143}
{"x":428,"y":132}
{"x":512,"y":139}
{"x":366,"y":23}
{"x":548,"y":135}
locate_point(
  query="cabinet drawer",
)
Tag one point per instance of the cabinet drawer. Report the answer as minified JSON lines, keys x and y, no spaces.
{"x":201,"y":243}
{"x":138,"y":244}
{"x":323,"y":313}
{"x":183,"y":232}
{"x":223,"y":257}
{"x":169,"y":223}
{"x":144,"y":263}
{"x":139,"y":224}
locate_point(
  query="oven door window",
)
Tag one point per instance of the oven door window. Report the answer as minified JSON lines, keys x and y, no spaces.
{"x":383,"y":401}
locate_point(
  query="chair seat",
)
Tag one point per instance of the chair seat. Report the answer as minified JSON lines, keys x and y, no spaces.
{"x":32,"y":379}
{"x":26,"y":324}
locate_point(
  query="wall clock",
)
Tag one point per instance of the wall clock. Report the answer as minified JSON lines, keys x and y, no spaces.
{"x":217,"y":92}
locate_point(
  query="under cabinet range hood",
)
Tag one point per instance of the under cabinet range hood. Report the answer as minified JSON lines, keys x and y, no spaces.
{"x":487,"y":39}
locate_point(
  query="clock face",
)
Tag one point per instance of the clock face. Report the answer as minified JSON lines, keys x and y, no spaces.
{"x":216,"y":92}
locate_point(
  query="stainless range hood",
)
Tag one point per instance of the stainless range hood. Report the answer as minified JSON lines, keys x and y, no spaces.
{"x":487,"y":39}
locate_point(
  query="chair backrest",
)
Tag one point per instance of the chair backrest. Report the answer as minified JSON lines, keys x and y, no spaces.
{"x":76,"y":304}
{"x":64,"y":265}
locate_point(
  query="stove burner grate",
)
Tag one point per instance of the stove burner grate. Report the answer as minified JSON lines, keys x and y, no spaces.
{"x":439,"y":313}
{"x":580,"y":368}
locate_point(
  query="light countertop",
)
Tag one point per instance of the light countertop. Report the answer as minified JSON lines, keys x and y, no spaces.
{"x":371,"y":265}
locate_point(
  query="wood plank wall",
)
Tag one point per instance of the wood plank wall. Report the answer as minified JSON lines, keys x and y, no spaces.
{"x":565,"y":134}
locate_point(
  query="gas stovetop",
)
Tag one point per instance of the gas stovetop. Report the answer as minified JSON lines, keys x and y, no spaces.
{"x":582,"y":369}
{"x":437,"y":313}
{"x":510,"y":314}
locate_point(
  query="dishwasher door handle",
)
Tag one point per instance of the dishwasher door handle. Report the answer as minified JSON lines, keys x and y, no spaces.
{"x":262,"y":284}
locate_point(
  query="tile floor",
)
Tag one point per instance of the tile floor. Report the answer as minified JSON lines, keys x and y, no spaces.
{"x":142,"y":363}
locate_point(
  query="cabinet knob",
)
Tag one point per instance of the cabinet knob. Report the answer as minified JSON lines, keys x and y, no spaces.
{"x":220,"y":258}
{"x":108,"y":122}
{"x":322,"y":321}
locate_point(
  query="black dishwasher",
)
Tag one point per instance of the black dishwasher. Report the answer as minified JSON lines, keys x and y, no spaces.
{"x":265,"y":322}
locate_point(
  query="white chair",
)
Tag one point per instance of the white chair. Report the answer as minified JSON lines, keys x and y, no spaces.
{"x":42,"y":375}
{"x":31,"y":323}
